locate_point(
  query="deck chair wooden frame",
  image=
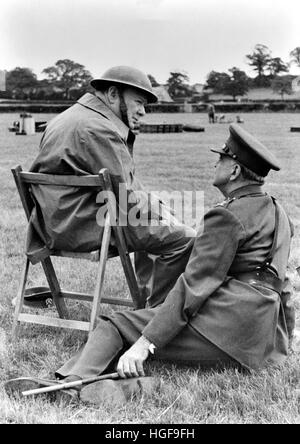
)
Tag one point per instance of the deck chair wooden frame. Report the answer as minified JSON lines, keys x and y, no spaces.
{"x":24,"y":180}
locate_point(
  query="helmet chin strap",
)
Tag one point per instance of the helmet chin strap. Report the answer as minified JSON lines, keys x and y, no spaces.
{"x":123,"y":108}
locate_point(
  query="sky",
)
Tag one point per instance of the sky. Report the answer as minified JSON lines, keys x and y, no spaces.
{"x":156,"y":36}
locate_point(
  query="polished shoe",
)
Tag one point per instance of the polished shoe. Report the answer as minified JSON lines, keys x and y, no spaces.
{"x":15,"y":387}
{"x":70,"y":395}
{"x":117,"y":392}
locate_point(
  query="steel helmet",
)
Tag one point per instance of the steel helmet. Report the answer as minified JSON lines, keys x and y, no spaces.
{"x":126,"y":75}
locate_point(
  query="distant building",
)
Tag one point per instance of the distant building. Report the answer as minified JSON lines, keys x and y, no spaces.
{"x":162,"y":94}
{"x":198,"y":88}
{"x":255,"y":94}
{"x":199,"y":92}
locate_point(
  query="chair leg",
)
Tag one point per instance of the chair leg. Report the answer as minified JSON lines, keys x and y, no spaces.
{"x":55,"y":288}
{"x":128,"y":268}
{"x":131,"y":281}
{"x":101,"y":272}
{"x":20,"y":299}
{"x":121,"y":244}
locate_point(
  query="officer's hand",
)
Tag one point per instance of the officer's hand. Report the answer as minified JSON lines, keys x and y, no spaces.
{"x":130,"y":364}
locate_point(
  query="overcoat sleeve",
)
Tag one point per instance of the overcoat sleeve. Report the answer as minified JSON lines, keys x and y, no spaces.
{"x":211,"y":258}
{"x":104,"y":148}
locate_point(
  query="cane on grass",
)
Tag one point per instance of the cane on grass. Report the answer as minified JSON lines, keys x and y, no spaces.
{"x":67,"y":385}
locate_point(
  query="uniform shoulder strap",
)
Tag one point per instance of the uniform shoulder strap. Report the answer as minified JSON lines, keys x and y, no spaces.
{"x":225,"y":202}
{"x":268,"y":261}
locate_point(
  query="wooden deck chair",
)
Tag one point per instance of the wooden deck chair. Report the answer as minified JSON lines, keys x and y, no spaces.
{"x":102,"y":181}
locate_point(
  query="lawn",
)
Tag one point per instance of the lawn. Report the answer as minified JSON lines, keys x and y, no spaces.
{"x":176,"y":161}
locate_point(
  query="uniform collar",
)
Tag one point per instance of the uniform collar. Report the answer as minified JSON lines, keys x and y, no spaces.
{"x":96,"y":104}
{"x":245,"y":190}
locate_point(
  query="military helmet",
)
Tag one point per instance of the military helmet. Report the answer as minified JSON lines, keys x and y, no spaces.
{"x":126,"y":75}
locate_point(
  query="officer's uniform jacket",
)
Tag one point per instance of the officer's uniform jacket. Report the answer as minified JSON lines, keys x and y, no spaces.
{"x":246,"y":321}
{"x":83,"y":139}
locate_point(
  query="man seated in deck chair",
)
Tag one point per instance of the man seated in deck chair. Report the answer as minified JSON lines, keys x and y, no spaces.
{"x":231,"y":305}
{"x":98,"y":132}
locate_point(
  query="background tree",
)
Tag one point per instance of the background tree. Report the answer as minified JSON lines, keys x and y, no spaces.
{"x":276,"y":66}
{"x":295,"y":56}
{"x":217,"y":81}
{"x":282,"y":85}
{"x":67,"y":75}
{"x":20,"y":82}
{"x":178,"y":86}
{"x":238,"y":83}
{"x":153,"y":80}
{"x":259,"y":60}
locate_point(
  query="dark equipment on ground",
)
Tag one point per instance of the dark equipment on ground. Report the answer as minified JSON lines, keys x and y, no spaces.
{"x":193,"y":128}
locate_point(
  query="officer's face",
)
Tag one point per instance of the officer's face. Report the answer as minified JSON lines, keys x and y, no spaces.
{"x":135,"y":102}
{"x":223,"y":171}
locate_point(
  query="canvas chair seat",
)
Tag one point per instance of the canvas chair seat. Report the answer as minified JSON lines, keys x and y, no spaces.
{"x":24,"y":180}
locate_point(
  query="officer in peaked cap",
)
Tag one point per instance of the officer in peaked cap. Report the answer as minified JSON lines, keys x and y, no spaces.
{"x":248,"y":151}
{"x":231,"y":304}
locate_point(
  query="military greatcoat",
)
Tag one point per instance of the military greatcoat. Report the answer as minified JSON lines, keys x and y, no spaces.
{"x":246,"y":321}
{"x":210,"y":316}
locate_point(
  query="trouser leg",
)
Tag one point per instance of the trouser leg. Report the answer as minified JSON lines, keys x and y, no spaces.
{"x":161,"y":256}
{"x":157,"y":274}
{"x":103,"y":346}
{"x":144,"y":265}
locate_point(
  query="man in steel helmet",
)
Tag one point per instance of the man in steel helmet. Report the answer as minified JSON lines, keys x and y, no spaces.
{"x":98,"y":132}
{"x":130,"y":83}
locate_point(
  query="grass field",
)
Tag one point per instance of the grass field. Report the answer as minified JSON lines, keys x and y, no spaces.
{"x":187,"y":395}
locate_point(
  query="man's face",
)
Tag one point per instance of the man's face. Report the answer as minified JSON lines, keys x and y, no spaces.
{"x":223,"y":171}
{"x":135,"y":102}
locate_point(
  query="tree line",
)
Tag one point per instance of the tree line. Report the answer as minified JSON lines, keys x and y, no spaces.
{"x":69,"y":80}
{"x":270,"y":72}
{"x":65,"y":80}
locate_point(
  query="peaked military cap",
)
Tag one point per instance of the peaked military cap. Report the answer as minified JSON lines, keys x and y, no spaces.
{"x":248,"y":151}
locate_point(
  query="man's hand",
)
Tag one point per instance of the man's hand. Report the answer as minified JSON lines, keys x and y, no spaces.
{"x":130,"y":364}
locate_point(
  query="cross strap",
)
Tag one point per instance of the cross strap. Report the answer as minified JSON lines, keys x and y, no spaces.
{"x":268,"y":261}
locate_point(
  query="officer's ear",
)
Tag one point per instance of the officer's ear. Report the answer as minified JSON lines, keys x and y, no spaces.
{"x":112,"y":95}
{"x":236,"y":172}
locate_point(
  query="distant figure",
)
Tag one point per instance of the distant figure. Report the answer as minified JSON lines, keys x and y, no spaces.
{"x":211,"y":113}
{"x":239,"y":119}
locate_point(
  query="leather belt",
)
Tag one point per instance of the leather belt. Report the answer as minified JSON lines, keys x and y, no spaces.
{"x":261,"y":277}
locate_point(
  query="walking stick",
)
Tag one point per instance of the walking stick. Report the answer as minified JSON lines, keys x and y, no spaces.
{"x":67,"y":385}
